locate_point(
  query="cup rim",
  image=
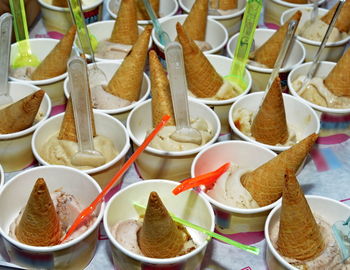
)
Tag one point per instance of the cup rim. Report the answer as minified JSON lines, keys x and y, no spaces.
{"x":2,"y":177}
{"x":173,"y":153}
{"x":59,"y":246}
{"x":142,"y":258}
{"x":271,"y":147}
{"x":52,"y":7}
{"x":101,"y":168}
{"x":32,"y":128}
{"x":313,"y":105}
{"x":292,"y":5}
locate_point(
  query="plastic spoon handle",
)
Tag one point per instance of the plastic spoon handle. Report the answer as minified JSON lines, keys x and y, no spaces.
{"x":314,"y":12}
{"x":5,"y":42}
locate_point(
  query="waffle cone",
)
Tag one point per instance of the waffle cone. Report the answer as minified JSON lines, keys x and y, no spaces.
{"x":300,"y":2}
{"x":55,"y":63}
{"x":125,"y":29}
{"x":142,"y":12}
{"x":39,"y":224}
{"x":338,"y":80}
{"x":265,"y":183}
{"x":299,"y":236}
{"x":161,"y":95}
{"x":202,"y":78}
{"x":60,"y":3}
{"x":21,"y":114}
{"x":127,"y":80}
{"x":343,"y":20}
{"x":267,"y":53}
{"x":159,"y":236}
{"x":270,"y":125}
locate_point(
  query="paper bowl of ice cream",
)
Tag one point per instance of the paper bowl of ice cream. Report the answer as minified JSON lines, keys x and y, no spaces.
{"x":122,"y":107}
{"x":260,"y":74}
{"x":112,"y":141}
{"x":64,"y":185}
{"x":229,"y":16}
{"x":329,"y":211}
{"x":301,"y":121}
{"x":216,"y":35}
{"x":166,"y":158}
{"x":311,"y":35}
{"x":188,"y":205}
{"x":57,"y":19}
{"x":18,"y":126}
{"x":324,"y":101}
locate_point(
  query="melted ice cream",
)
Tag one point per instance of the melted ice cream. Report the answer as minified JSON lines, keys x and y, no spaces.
{"x":22,"y":73}
{"x":106,"y":101}
{"x":110,"y":50}
{"x":226,"y":91}
{"x":203,"y":45}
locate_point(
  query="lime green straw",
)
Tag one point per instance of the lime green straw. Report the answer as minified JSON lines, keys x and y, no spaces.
{"x":250,"y":249}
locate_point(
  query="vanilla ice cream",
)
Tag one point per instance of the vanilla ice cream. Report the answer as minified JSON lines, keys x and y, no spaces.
{"x":226,"y":91}
{"x":203,"y":45}
{"x":22,"y":73}
{"x":110,"y":50}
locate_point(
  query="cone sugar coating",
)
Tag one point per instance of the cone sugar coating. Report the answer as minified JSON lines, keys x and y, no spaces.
{"x":265,"y":183}
{"x":343,"y":20}
{"x":125,"y":29}
{"x":161,"y":95}
{"x":195,"y":24}
{"x":300,"y":2}
{"x":60,"y":3}
{"x":141,"y":9}
{"x":267,"y":53}
{"x":202,"y":78}
{"x":39,"y":224}
{"x":299,"y":236}
{"x":159,"y":236}
{"x":270,"y":125}
{"x":127,"y":80}
{"x":21,"y":114}
{"x":55,"y":63}
{"x":338,"y":80}
{"x":223,"y":4}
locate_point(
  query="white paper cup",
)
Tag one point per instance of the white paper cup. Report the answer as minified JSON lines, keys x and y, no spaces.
{"x":105,"y":125}
{"x":262,"y":75}
{"x":331,"y":52}
{"x":41,"y":47}
{"x":75,"y":254}
{"x":159,"y":164}
{"x":231,"y":22}
{"x":188,"y":205}
{"x":216,"y":35}
{"x":2,"y":177}
{"x":109,"y":69}
{"x":167,"y":8}
{"x":58,"y":19}
{"x":323,"y":69}
{"x":330,"y":210}
{"x":230,"y":220}
{"x":15,"y":148}
{"x":299,"y":115}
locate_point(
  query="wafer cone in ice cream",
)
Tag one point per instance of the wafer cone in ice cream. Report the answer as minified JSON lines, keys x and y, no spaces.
{"x":39,"y":224}
{"x":267,"y":53}
{"x":161,"y":95}
{"x":159,"y":236}
{"x":195,"y":24}
{"x":21,"y":114}
{"x":55,"y":63}
{"x":269,"y":124}
{"x":60,"y":3}
{"x":127,"y":80}
{"x":202,"y":78}
{"x":223,"y":4}
{"x":125,"y":29}
{"x":141,"y":9}
{"x":299,"y":235}
{"x":343,"y":20}
{"x":338,"y":80}
{"x":299,"y":2}
{"x":265,"y":183}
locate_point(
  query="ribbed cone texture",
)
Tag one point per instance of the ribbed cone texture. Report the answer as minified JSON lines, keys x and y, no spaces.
{"x":202,"y":78}
{"x":55,"y":63}
{"x":267,"y":53}
{"x":299,"y":236}
{"x":195,"y":24}
{"x":60,"y":3}
{"x":125,"y":29}
{"x":127,"y":80}
{"x":265,"y":183}
{"x":141,"y":9}
{"x":343,"y":20}
{"x":161,"y":95}
{"x":223,"y":4}
{"x":159,"y":236}
{"x":270,"y":125}
{"x":338,"y":80}
{"x":297,"y":1}
{"x":21,"y":114}
{"x":39,"y":224}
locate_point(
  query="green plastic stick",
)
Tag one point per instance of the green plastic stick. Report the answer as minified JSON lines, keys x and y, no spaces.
{"x":250,"y":249}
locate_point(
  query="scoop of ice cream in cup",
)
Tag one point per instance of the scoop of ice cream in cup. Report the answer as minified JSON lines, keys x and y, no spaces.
{"x":30,"y":238}
{"x":160,"y":242}
{"x":18,"y":121}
